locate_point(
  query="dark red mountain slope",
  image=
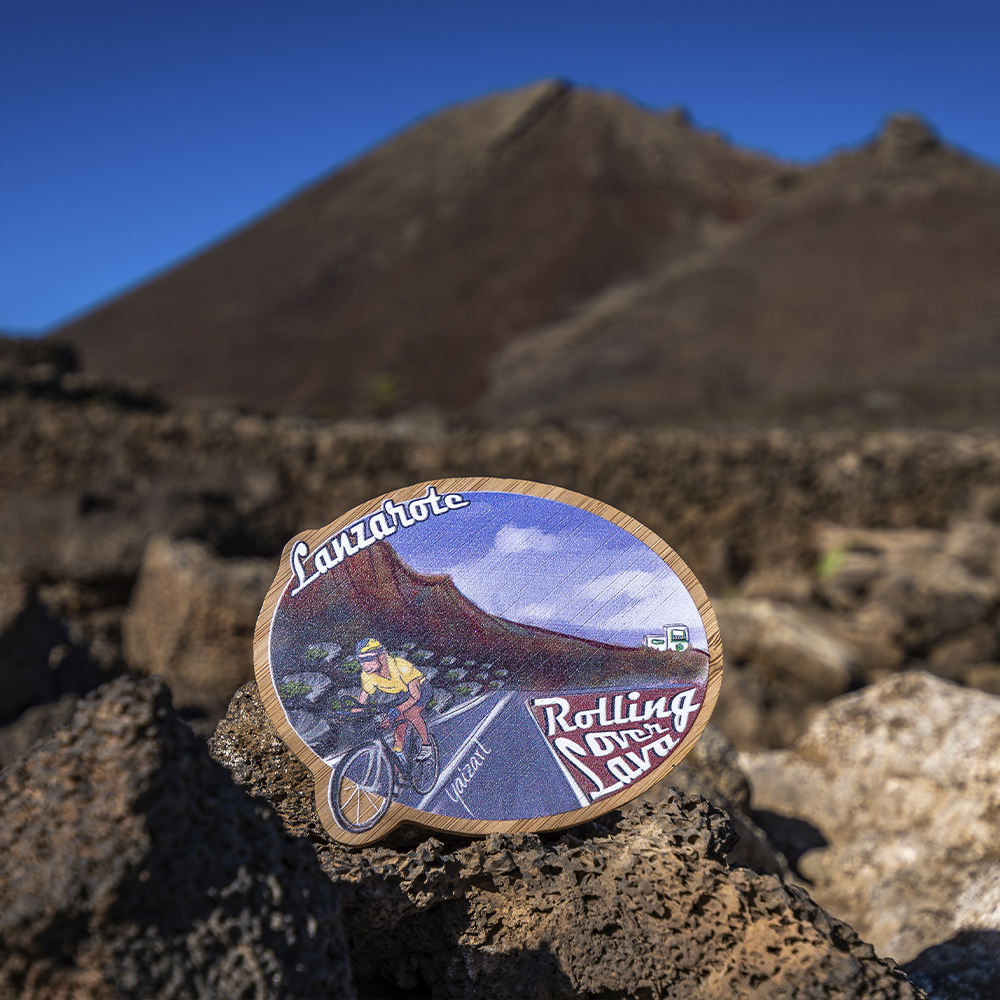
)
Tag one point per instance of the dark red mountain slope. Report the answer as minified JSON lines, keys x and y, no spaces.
{"x":879,"y":269}
{"x":375,"y":593}
{"x":400,"y":276}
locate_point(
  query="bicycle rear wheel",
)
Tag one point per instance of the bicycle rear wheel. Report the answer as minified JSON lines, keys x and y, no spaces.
{"x":362,"y":788}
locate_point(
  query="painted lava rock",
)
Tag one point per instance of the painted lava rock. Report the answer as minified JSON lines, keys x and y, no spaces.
{"x":481,"y":655}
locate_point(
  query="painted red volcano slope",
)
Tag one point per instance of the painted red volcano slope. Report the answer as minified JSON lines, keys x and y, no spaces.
{"x":375,"y":593}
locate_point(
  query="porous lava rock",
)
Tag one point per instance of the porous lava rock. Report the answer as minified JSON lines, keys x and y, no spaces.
{"x":898,"y":786}
{"x":132,"y":866}
{"x":639,"y":905}
{"x":711,"y":769}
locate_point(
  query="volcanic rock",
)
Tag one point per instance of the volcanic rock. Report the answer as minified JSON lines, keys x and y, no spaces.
{"x":39,"y":661}
{"x":87,"y":487}
{"x":898,"y":787}
{"x":909,"y":594}
{"x":784,"y":641}
{"x":635,"y":906}
{"x":711,"y":769}
{"x":191,"y":621}
{"x":17,"y":738}
{"x":50,"y":369}
{"x":130,"y":865}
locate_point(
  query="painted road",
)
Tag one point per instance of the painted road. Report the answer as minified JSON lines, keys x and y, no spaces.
{"x":496,"y":763}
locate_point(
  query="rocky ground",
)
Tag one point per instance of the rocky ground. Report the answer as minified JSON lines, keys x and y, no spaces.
{"x":857,"y":582}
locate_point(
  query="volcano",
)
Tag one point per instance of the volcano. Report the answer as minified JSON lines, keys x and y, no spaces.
{"x":395,"y":280}
{"x":555,"y":252}
{"x":375,"y":593}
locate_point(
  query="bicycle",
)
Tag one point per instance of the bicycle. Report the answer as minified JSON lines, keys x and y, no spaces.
{"x":370,"y":775}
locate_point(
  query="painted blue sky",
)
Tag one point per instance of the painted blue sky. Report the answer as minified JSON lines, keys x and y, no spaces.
{"x":135,"y":132}
{"x":550,"y":564}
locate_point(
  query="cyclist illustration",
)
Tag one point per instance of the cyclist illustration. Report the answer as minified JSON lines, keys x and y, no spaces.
{"x":397,"y":683}
{"x":369,"y":776}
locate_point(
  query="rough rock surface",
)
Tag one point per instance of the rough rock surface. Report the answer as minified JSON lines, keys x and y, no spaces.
{"x":711,"y":769}
{"x":898,"y":787}
{"x":50,"y":369}
{"x":643,"y":906}
{"x":191,"y":621}
{"x":131,"y":865}
{"x":925,"y":594}
{"x":87,"y":487}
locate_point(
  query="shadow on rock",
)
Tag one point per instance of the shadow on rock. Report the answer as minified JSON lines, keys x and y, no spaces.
{"x":967,"y":966}
{"x":793,"y":837}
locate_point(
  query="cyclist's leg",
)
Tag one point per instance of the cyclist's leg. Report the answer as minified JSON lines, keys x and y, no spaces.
{"x":400,"y":730}
{"x":415,"y":713}
{"x":399,"y":734}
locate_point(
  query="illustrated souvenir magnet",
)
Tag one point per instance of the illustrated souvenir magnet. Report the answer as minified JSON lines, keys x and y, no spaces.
{"x":484,"y":655}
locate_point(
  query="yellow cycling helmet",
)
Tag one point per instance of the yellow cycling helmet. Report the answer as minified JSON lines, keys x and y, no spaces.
{"x":368,"y":649}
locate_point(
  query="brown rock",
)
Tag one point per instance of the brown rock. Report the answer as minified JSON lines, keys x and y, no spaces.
{"x":742,"y":710}
{"x":900,"y":784}
{"x":711,"y":769}
{"x":984,"y":676}
{"x":17,"y":738}
{"x":130,"y":865}
{"x":39,"y":662}
{"x":976,"y":544}
{"x":951,"y":657}
{"x":908,"y":590}
{"x":939,"y":597}
{"x":877,"y":632}
{"x":191,"y":621}
{"x":785,"y":641}
{"x":635,"y":906}
{"x":782,"y":585}
{"x":86,"y":487}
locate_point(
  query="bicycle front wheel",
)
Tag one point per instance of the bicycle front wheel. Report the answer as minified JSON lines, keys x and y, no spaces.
{"x":362,"y":788}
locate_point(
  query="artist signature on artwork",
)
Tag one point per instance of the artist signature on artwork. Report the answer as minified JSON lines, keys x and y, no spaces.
{"x":456,"y":788}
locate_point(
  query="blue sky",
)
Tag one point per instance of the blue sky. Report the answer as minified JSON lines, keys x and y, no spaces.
{"x":550,"y":564}
{"x":133,"y":133}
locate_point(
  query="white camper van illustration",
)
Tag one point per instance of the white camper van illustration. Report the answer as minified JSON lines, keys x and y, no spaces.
{"x":675,"y":637}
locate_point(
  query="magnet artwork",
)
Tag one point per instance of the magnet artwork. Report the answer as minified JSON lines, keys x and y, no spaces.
{"x":484,"y":655}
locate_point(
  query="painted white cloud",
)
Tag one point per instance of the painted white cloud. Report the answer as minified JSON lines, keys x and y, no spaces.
{"x":510,"y":540}
{"x":548,"y":579}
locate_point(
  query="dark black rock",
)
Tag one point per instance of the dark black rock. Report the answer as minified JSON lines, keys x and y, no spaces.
{"x":132,"y":866}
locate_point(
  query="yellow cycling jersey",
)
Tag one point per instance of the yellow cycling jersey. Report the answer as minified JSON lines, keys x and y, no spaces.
{"x":401,"y":674}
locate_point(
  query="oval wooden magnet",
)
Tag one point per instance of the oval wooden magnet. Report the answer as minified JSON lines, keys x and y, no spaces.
{"x":484,"y":655}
